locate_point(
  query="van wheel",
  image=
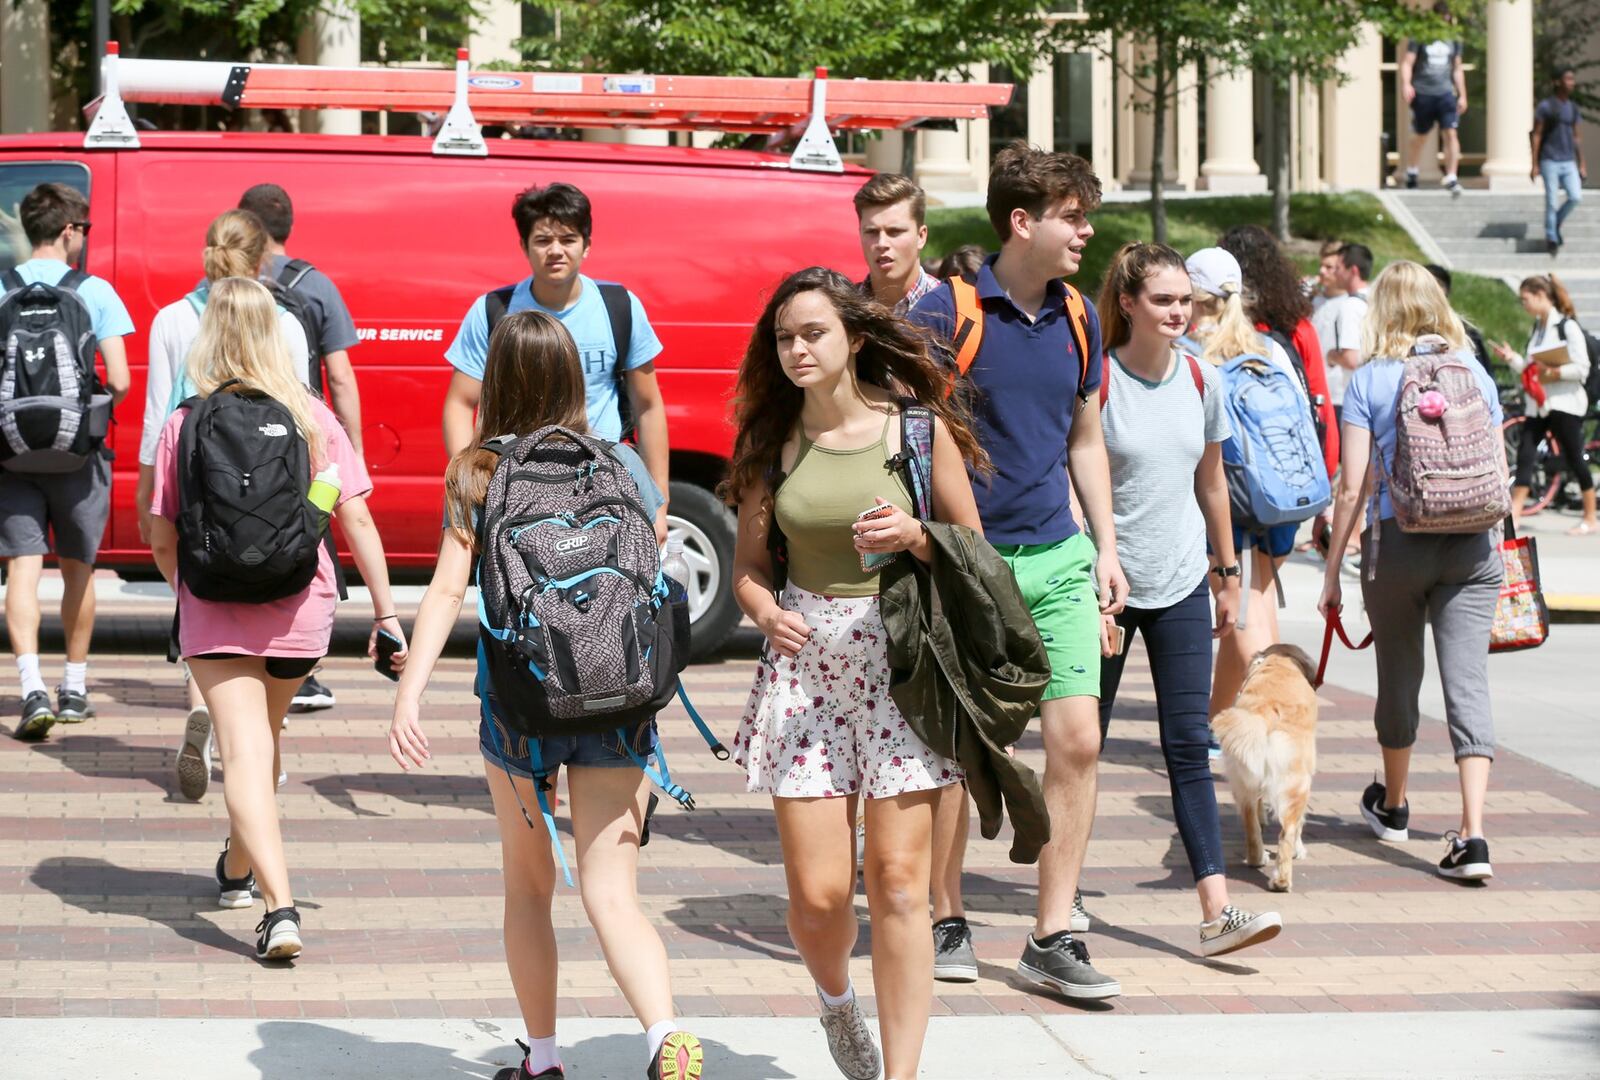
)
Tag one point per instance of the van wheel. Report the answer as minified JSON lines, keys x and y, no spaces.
{"x":707,"y":530}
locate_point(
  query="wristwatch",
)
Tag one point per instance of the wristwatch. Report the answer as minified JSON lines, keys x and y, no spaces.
{"x":1226,"y":572}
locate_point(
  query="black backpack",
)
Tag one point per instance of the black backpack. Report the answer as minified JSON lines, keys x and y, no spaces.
{"x":1591,"y":382}
{"x":285,"y":290}
{"x":619,"y":312}
{"x":246,"y":531}
{"x":52,"y":414}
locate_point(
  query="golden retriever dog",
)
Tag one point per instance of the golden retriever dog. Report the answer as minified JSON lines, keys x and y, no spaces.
{"x":1269,"y":752}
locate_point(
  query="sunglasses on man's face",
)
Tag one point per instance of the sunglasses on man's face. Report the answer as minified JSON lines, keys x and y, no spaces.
{"x":83,"y":226}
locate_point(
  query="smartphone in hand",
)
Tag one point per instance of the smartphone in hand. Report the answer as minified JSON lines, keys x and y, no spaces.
{"x":388,"y":645}
{"x":871,"y":560}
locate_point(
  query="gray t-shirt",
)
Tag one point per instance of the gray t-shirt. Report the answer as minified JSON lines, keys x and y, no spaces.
{"x":1156,"y":434}
{"x":335,"y":329}
{"x":1433,"y":71}
{"x":1557,"y":119}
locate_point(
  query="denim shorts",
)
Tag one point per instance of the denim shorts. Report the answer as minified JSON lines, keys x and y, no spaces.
{"x":599,"y":751}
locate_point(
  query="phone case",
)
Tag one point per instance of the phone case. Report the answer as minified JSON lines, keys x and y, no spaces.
{"x":872,"y":560}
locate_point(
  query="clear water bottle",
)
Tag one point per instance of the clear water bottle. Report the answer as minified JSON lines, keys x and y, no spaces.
{"x":675,"y":568}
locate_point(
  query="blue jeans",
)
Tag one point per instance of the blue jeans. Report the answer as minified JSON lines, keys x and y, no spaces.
{"x":1559,"y":175}
{"x":1178,"y":640}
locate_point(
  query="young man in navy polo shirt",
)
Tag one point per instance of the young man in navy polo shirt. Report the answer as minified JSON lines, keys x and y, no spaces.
{"x":1030,"y":381}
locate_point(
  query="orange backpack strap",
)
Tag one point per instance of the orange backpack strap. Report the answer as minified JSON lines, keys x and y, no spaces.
{"x":1078,"y":319}
{"x":968,"y":336}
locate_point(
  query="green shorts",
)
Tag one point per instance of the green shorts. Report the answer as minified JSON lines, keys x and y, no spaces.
{"x":1057,"y":581}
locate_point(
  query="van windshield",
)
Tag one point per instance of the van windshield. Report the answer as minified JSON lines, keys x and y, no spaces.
{"x":17,"y":178}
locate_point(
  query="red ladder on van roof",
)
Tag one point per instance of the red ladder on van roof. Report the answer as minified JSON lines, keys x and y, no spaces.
{"x":815,"y":107}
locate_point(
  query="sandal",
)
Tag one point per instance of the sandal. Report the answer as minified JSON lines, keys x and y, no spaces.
{"x":1583,"y":528}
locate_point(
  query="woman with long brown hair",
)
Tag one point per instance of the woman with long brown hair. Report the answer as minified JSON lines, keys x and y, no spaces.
{"x":820,"y":394}
{"x":532,"y":379}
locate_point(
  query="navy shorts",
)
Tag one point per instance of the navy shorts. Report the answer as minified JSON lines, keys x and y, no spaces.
{"x":1430,"y":109}
{"x":601,"y":751}
{"x":1278,"y":541}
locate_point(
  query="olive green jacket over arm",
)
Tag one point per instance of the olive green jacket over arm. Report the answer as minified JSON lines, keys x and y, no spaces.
{"x":967,"y":670}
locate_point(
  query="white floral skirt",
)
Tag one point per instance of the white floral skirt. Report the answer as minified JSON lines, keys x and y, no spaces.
{"x":822,"y":724}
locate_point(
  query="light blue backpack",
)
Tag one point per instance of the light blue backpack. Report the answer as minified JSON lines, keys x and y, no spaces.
{"x":1273,"y":462}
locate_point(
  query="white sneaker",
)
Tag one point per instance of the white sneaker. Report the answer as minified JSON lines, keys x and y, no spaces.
{"x":283,"y":778}
{"x":850,"y":1040}
{"x":1235,"y":929}
{"x":194,"y":755}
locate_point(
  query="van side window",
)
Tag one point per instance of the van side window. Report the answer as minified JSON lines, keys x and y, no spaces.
{"x":17,"y":178}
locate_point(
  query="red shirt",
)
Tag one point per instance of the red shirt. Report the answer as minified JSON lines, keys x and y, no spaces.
{"x":1304,"y":340}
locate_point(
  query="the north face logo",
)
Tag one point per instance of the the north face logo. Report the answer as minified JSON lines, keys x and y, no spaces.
{"x":273,"y":431}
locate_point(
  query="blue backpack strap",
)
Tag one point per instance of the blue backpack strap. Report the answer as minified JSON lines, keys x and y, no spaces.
{"x":662,"y":777}
{"x":197,"y":299}
{"x":718,"y":751}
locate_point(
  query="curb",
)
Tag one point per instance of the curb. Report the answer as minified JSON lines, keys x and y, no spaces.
{"x":1573,"y":607}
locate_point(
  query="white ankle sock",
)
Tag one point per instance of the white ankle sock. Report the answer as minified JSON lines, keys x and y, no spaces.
{"x":658,"y":1034}
{"x":1449,"y":179}
{"x":542,"y":1055}
{"x":28,"y":669}
{"x":1411,"y":170}
{"x":836,"y":1001}
{"x":77,"y":677}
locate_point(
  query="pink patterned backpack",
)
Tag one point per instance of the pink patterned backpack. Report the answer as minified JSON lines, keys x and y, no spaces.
{"x":1449,"y":472}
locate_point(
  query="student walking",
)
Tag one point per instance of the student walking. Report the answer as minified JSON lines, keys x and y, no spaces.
{"x":251,"y":627}
{"x":1165,"y":422}
{"x":1553,"y":398}
{"x":532,"y":379}
{"x":329,"y":334}
{"x":54,"y":511}
{"x":1558,"y":154}
{"x":1225,"y":332}
{"x":1448,"y":580}
{"x":1030,"y":351}
{"x":892,"y":212}
{"x":236,"y":246}
{"x":818,"y":419}
{"x":1434,"y":83}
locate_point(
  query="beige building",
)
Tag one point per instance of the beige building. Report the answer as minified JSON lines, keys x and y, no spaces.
{"x":1344,"y":136}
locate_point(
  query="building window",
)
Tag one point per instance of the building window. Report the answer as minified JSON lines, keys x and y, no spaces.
{"x":1008,"y":124}
{"x":1073,"y":92}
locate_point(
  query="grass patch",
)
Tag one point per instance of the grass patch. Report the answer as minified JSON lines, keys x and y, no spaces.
{"x":1196,"y":223}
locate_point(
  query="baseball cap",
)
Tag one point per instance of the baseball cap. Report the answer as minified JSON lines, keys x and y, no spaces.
{"x":1215,"y":271}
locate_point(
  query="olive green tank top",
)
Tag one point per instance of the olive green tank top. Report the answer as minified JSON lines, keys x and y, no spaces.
{"x":821,"y":498}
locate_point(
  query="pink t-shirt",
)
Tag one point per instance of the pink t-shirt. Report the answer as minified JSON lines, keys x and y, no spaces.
{"x":299,"y":625}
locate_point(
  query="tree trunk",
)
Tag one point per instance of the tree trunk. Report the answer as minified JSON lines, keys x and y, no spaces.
{"x":1158,"y":149}
{"x":1282,"y":130}
{"x":908,"y":153}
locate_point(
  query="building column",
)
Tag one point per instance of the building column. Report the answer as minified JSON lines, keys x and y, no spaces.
{"x":956,"y":161}
{"x":24,"y":67}
{"x":1042,"y":106}
{"x":1181,"y":162}
{"x":1307,"y":162}
{"x":1352,"y":153}
{"x":1230,"y":163}
{"x":1510,"y":94}
{"x":332,"y":39}
{"x":495,"y":33}
{"x":1104,"y":125}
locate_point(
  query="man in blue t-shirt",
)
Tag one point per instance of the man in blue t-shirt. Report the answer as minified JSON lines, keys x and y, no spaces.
{"x":1029,"y":382}
{"x":1558,"y":154}
{"x":555,"y":224}
{"x":64,"y":513}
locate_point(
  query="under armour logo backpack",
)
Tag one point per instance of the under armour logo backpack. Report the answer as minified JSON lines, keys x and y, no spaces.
{"x":51,"y":416}
{"x":246,"y":531}
{"x":577,"y":632}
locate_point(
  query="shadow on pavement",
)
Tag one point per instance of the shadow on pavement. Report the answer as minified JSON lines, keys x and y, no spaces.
{"x":767,"y":937}
{"x":104,"y":757}
{"x":298,"y":1049}
{"x":103,"y":888}
{"x":167,"y":694}
{"x":421,"y":788}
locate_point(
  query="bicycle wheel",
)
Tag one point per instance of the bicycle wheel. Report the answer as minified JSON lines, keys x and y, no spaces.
{"x":1546,"y":480}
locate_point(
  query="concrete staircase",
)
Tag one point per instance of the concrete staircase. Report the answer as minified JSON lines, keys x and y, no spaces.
{"x":1503,"y":236}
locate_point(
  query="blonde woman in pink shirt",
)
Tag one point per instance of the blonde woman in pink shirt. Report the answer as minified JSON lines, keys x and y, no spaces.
{"x":249,"y":658}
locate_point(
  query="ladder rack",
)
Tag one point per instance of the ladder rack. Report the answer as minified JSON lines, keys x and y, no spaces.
{"x":814,"y":108}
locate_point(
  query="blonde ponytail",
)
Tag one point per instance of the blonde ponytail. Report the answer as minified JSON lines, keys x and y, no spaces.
{"x":1230,"y":332}
{"x":236,"y":244}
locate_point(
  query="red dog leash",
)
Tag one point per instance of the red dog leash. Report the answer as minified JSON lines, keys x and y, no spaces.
{"x":1336,"y":626}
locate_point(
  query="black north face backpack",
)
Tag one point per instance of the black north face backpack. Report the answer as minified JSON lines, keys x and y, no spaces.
{"x":246,"y":531}
{"x":52,"y":415}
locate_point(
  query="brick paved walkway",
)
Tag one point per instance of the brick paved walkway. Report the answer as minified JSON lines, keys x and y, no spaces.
{"x":106,"y":889}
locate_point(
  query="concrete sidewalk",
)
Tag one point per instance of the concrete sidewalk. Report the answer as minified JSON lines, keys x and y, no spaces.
{"x":1525,"y":1044}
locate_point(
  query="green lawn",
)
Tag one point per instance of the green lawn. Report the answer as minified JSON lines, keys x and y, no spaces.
{"x":1196,"y":223}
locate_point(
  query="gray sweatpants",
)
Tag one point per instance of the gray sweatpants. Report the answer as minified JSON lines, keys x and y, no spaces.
{"x":1451,"y":580}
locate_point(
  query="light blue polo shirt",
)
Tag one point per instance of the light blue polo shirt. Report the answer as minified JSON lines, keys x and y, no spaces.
{"x":106,"y":311}
{"x":590,"y":328}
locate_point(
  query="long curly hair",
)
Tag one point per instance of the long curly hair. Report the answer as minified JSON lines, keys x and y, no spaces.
{"x":1272,"y":289}
{"x":894,"y":356}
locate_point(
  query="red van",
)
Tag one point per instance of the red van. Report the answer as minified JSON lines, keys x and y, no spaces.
{"x":411,"y":238}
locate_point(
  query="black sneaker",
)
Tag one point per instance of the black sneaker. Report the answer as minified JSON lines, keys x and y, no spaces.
{"x":681,"y":1057}
{"x":1064,"y":967}
{"x":72,"y":706}
{"x":1411,"y":181}
{"x":1387,"y":824}
{"x":233,"y":892}
{"x":37,"y":718}
{"x":1453,"y":186}
{"x":953,"y":958}
{"x":520,"y":1071}
{"x":1466,"y":860}
{"x":312,"y":695}
{"x":280,"y":935}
